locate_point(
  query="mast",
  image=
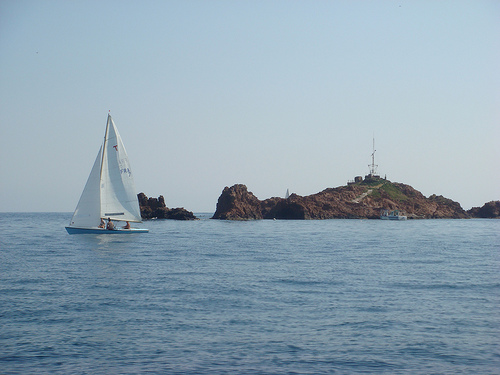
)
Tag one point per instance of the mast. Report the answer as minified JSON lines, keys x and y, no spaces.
{"x":104,"y":145}
{"x":373,"y":166}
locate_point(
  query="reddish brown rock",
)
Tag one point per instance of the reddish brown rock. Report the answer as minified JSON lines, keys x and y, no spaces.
{"x":155,"y":208}
{"x":490,"y":210}
{"x":359,"y":200}
{"x":237,"y":203}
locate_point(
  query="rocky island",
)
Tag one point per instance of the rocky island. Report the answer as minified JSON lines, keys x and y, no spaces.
{"x":490,"y":210}
{"x":361,"y":199}
{"x":155,"y":208}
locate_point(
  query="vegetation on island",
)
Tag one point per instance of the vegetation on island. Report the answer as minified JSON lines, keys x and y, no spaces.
{"x":361,"y":199}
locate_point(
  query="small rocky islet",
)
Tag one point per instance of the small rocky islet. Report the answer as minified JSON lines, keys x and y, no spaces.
{"x":363,"y":199}
{"x":155,"y":208}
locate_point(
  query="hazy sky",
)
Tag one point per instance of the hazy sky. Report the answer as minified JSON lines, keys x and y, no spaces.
{"x":271,"y":94}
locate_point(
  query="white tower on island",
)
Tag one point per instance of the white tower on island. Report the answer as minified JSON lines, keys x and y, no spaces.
{"x":373,"y":166}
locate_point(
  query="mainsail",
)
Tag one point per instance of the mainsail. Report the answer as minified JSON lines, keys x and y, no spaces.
{"x":110,"y":189}
{"x":118,"y":196}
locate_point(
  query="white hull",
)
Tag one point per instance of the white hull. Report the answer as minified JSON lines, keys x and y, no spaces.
{"x":75,"y":230}
{"x":393,"y":217}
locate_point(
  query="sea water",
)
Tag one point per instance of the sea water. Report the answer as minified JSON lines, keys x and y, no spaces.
{"x":256,"y":297}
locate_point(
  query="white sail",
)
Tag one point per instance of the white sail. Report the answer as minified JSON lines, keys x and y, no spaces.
{"x":110,"y":189}
{"x":88,"y":209}
{"x":118,"y":197}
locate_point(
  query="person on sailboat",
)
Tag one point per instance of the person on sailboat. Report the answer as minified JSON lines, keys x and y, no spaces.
{"x":126,"y":226}
{"x":110,"y":225}
{"x":102,"y":225}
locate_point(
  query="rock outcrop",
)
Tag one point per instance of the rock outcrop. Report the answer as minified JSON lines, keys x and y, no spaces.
{"x":358,"y":200}
{"x":237,"y":203}
{"x":155,"y":208}
{"x":490,"y":210}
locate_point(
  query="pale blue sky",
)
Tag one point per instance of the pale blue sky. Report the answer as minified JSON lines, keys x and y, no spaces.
{"x":272,"y":94}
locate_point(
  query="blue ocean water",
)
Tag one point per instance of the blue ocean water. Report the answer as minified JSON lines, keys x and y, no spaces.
{"x":258,"y":297}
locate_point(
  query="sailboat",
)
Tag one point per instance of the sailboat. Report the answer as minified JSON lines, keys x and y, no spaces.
{"x":109,"y":193}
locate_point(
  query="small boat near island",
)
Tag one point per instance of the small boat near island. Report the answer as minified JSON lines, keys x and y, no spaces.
{"x":109,"y":193}
{"x":392,"y":215}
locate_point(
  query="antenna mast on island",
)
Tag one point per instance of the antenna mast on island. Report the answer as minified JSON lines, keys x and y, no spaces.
{"x":373,"y":166}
